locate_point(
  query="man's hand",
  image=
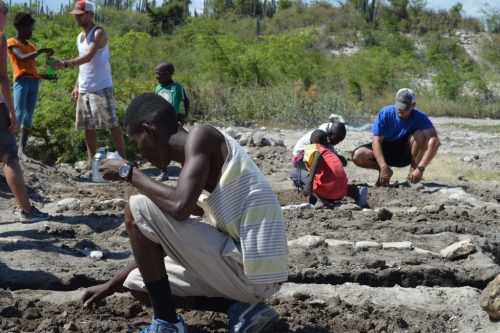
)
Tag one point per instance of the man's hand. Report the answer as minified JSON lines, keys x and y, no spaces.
{"x":416,"y":175}
{"x":109,"y":168}
{"x":94,"y":296}
{"x":385,"y":175}
{"x":74,"y":94}
{"x":13,"y":123}
{"x":58,"y":64}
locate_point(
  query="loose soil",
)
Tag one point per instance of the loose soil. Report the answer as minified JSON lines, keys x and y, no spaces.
{"x":45,"y":266}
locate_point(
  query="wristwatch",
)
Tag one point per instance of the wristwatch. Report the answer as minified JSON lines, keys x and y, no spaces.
{"x":421,"y":168}
{"x":125,"y":171}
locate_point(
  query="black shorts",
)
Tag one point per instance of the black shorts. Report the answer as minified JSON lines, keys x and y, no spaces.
{"x":396,"y":153}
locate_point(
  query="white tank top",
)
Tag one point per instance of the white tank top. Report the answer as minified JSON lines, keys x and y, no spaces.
{"x":96,"y":74}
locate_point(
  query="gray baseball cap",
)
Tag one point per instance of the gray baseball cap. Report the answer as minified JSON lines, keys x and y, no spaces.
{"x":405,"y":98}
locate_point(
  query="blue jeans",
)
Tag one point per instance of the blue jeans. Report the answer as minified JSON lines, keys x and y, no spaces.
{"x":25,"y":96}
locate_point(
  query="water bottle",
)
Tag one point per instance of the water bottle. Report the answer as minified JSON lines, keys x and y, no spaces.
{"x":96,"y":161}
{"x":51,"y":71}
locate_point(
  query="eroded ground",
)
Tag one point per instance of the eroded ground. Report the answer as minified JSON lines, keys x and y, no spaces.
{"x":338,"y":283}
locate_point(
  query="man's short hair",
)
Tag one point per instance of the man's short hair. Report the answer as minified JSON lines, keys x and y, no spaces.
{"x":339,"y":130}
{"x":319,"y":136}
{"x":168,"y":66}
{"x":150,"y":108}
{"x":23,"y":19}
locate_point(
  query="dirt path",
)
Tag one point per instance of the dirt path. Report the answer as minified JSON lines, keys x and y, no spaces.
{"x":351,"y":270}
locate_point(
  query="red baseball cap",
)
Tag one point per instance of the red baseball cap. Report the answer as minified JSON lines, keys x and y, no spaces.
{"x":82,"y":6}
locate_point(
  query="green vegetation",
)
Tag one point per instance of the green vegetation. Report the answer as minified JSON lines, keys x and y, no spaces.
{"x":495,"y":129}
{"x":280,"y":62}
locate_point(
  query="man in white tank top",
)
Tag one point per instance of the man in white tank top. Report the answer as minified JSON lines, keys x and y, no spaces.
{"x":93,"y":92}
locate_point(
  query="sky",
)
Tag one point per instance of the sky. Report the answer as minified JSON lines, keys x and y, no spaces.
{"x":470,"y":7}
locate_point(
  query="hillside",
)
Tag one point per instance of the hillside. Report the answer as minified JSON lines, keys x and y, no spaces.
{"x":292,"y":66}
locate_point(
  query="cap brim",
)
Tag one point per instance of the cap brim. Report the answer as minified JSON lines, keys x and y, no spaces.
{"x":402,"y":106}
{"x":76,"y":12}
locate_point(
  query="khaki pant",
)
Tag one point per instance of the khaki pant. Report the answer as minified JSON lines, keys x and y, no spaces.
{"x":201,"y":260}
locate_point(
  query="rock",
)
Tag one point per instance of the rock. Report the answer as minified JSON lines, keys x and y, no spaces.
{"x":96,"y":254}
{"x":365,"y":245}
{"x":298,"y":207}
{"x":383,"y":214}
{"x":339,"y":243}
{"x":68,"y":204}
{"x":476,"y":156}
{"x":265,"y":142}
{"x":245,"y":139}
{"x":307,"y":241}
{"x":233,"y":133}
{"x":317,"y":302}
{"x":70,"y":327}
{"x":349,"y":206}
{"x":117,"y":203}
{"x":423,"y":251}
{"x":467,"y":159}
{"x":490,"y":298}
{"x":81,"y":166}
{"x":420,"y":218}
{"x":462,"y":178}
{"x":458,"y":250}
{"x":411,"y":210}
{"x":404,"y":245}
{"x":433,"y":208}
{"x":279,"y":143}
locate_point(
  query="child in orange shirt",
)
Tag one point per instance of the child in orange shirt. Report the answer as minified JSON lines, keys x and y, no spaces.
{"x":22,"y":54}
{"x":327,"y":181}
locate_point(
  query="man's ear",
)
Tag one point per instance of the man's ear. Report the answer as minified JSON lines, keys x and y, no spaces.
{"x":149,"y":129}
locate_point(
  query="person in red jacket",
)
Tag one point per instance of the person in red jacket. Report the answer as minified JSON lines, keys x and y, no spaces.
{"x":327,"y":181}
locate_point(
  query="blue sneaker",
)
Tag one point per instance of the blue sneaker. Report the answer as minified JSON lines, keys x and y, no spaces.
{"x":163,"y":326}
{"x":250,"y":318}
{"x":363,"y":197}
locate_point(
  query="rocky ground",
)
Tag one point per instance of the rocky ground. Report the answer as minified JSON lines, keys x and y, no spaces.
{"x":383,"y":269}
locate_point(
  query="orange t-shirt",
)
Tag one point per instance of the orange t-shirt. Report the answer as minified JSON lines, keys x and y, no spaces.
{"x":22,"y":68}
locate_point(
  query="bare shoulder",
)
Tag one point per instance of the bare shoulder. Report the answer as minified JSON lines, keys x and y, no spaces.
{"x":205,"y":135}
{"x":100,"y":36}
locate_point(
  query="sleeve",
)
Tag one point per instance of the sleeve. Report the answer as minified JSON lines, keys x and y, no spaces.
{"x":157,"y":89}
{"x":11,"y":42}
{"x":424,"y":122}
{"x":309,"y":154}
{"x":378,"y":125}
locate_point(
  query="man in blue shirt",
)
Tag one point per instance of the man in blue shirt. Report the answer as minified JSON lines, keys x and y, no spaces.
{"x":402,"y":136}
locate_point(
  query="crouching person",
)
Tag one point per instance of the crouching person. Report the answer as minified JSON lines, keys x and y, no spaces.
{"x":327,"y":181}
{"x":231,"y":260}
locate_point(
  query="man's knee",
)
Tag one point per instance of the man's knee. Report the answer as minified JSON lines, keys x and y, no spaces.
{"x":129,"y":218}
{"x":418,"y":138}
{"x":361,"y":155}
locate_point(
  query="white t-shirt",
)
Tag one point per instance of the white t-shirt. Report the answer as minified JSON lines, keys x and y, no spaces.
{"x":306,"y":139}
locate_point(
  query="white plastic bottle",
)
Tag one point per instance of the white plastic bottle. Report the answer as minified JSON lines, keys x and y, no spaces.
{"x":96,"y":161}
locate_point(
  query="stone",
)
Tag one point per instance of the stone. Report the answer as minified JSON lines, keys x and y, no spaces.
{"x":365,"y":245}
{"x":404,"y":245}
{"x":68,"y":204}
{"x":420,"y":218}
{"x":96,"y":254}
{"x":81,"y":166}
{"x":349,"y":206}
{"x":279,"y":143}
{"x":339,"y":243}
{"x":490,"y":298}
{"x":433,"y":208}
{"x":308,"y":241}
{"x":412,"y":210}
{"x":298,"y":207}
{"x":458,"y":250}
{"x":423,"y":251}
{"x":383,"y":214}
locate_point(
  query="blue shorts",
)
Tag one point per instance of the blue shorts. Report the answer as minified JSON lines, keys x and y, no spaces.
{"x":25,"y":96}
{"x":7,"y":140}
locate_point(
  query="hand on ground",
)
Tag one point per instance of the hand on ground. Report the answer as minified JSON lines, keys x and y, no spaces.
{"x":385,"y":175}
{"x":94,"y":296}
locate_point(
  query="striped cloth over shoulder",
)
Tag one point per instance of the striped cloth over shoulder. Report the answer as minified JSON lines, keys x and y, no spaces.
{"x":244,"y":205}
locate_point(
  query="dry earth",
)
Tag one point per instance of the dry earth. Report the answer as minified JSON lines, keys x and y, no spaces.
{"x":336,"y":284}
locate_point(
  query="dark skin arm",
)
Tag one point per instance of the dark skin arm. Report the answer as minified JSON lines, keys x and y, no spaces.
{"x":204,"y":147}
{"x":314,"y":167}
{"x":96,"y":294}
{"x":29,"y":56}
